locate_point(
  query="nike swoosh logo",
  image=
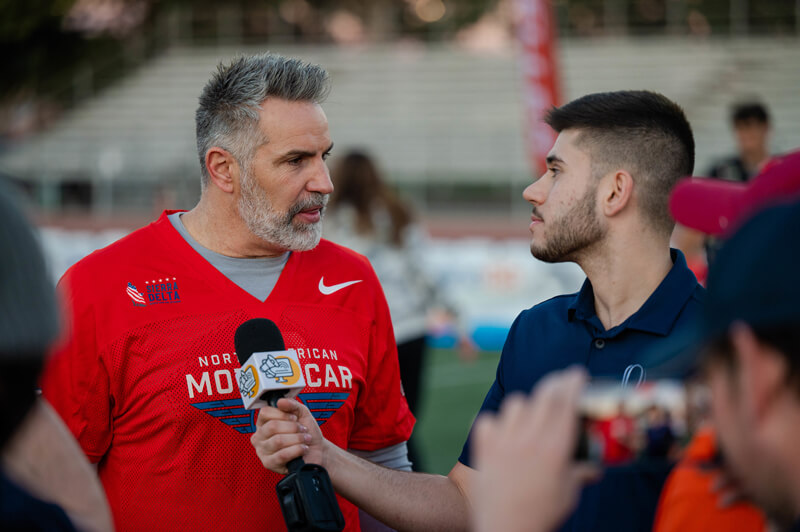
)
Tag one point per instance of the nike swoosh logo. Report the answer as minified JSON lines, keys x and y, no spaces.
{"x":328,"y":290}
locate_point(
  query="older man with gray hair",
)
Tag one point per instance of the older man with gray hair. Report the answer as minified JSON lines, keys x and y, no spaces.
{"x":145,"y":380}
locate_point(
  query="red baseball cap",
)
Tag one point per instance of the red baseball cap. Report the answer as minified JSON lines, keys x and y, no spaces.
{"x":716,"y":206}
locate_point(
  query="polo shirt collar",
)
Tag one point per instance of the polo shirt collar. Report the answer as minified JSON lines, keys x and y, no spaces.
{"x":657,"y":315}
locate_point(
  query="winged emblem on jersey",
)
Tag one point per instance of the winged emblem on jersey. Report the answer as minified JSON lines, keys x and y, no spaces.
{"x":231,"y":412}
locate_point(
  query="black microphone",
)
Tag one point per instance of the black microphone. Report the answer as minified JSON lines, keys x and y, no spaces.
{"x":269,"y":372}
{"x":257,"y":334}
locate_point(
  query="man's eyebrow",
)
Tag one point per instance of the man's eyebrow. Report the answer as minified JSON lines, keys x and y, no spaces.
{"x":554,"y":159}
{"x":291,"y":154}
{"x":303,"y":153}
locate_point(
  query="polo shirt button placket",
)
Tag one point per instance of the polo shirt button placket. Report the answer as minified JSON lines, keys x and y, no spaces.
{"x":599,"y":343}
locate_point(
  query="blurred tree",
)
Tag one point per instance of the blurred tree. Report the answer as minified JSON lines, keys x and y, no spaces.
{"x":33,"y":42}
{"x":42,"y":61}
{"x":57,"y":51}
{"x":45,"y":42}
{"x":20,"y":19}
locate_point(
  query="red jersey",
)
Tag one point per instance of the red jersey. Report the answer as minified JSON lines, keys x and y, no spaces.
{"x":617,"y":433}
{"x":145,"y":378}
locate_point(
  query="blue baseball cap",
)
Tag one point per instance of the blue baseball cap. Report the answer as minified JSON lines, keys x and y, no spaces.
{"x":754,"y":279}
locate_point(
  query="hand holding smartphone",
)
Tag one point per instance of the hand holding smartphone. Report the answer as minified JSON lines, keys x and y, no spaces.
{"x":648,"y":420}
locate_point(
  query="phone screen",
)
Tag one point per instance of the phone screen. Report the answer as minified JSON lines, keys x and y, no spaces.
{"x":651,"y":420}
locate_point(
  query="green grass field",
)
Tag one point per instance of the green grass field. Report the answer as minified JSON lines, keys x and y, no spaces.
{"x":452,"y":394}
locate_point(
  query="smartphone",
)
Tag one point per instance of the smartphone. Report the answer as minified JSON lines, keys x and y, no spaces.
{"x":649,"y":420}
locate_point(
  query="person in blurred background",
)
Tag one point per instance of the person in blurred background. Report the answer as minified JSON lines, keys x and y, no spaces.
{"x":747,"y":341}
{"x":717,"y":208}
{"x":659,"y":436}
{"x":145,"y":379}
{"x":365,"y":215}
{"x":46,"y":483}
{"x":603,"y":204}
{"x":750,"y":337}
{"x":618,"y":436}
{"x":751,"y":128}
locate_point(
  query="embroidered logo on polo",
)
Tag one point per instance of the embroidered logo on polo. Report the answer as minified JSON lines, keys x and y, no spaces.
{"x":641,"y":375}
{"x":156,"y":292}
{"x":231,"y":412}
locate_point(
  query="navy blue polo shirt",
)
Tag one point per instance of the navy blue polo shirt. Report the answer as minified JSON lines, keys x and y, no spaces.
{"x":565,"y":331}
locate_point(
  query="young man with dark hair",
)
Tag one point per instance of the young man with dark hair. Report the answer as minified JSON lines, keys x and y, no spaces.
{"x":748,"y":342}
{"x":652,"y":129}
{"x":602,"y":204}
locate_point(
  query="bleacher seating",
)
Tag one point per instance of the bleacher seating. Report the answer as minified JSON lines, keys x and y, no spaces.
{"x":428,"y":112}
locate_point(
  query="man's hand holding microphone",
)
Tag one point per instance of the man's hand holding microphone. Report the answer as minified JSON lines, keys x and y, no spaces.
{"x":527,"y":478}
{"x":269,"y":374}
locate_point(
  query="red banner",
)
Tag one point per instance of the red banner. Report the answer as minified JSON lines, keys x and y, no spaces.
{"x":536,"y":31}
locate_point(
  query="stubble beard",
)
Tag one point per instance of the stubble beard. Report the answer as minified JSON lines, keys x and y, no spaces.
{"x":276,"y":228}
{"x":573,"y":233}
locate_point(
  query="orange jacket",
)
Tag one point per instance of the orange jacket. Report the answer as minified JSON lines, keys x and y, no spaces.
{"x":687,"y":502}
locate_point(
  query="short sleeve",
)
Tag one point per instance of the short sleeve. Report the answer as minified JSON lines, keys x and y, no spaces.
{"x":496,"y":394}
{"x":382,"y":416}
{"x":75,"y":380}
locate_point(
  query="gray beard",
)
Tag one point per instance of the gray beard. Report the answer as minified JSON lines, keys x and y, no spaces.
{"x":274,"y":227}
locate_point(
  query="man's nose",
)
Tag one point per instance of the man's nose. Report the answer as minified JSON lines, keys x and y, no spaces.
{"x":321,"y":180}
{"x":536,"y":192}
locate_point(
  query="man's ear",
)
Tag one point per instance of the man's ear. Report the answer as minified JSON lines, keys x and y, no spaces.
{"x":223,"y":169}
{"x":762,"y":371}
{"x":616,"y":191}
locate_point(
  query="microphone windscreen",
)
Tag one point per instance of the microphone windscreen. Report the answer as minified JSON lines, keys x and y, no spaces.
{"x":255,"y":336}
